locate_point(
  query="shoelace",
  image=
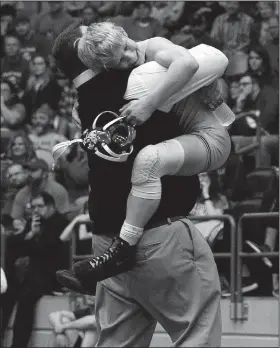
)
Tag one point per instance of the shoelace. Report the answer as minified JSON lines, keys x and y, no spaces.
{"x":99,"y":260}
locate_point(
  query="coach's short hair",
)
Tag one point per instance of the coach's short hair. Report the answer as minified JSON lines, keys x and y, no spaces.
{"x":99,"y":43}
{"x":65,"y":51}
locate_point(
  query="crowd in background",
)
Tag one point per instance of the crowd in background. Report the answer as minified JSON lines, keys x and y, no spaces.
{"x":36,"y":113}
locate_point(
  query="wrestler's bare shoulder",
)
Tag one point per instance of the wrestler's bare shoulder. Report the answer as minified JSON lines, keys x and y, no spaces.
{"x":165,"y":52}
{"x":151,"y":47}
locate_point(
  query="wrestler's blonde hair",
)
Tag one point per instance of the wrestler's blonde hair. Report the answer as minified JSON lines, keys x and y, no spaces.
{"x":97,"y":46}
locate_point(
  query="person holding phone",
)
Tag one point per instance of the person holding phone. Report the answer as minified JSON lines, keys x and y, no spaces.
{"x":46,"y":253}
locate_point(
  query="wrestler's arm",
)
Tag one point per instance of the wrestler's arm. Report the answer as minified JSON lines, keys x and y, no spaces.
{"x":181,"y":68}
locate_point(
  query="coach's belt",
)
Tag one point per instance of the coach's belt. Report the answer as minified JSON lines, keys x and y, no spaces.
{"x":167,"y":221}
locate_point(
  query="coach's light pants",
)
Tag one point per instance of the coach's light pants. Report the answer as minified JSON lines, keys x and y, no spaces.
{"x":175,"y":282}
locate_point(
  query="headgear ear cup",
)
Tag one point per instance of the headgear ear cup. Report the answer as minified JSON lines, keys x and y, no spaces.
{"x":120,"y":133}
{"x":112,"y":139}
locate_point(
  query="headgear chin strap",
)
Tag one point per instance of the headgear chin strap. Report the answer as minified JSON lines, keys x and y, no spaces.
{"x":111,"y":141}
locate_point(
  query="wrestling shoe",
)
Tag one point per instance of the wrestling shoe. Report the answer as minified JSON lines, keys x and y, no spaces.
{"x":71,"y":282}
{"x":118,"y":258}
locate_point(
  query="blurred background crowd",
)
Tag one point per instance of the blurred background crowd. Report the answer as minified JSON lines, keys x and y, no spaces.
{"x":42,"y":208}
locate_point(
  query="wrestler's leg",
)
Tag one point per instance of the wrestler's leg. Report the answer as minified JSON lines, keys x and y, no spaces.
{"x":152,"y":162}
{"x":186,"y":155}
{"x":216,"y":151}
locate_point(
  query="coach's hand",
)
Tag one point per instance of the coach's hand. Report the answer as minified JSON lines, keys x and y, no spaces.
{"x":137,"y":111}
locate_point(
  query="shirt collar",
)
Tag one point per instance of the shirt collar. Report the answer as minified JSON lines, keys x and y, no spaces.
{"x":84,"y":77}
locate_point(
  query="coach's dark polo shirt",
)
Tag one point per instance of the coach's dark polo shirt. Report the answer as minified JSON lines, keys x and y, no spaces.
{"x":110,"y":182}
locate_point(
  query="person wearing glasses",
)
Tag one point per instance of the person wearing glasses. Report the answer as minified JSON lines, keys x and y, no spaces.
{"x":253,"y":95}
{"x":40,"y":245}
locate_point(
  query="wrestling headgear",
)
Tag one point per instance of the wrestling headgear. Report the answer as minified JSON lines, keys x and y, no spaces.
{"x":110,"y":138}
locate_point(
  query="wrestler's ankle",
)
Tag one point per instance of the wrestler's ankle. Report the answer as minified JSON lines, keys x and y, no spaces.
{"x":130,"y":234}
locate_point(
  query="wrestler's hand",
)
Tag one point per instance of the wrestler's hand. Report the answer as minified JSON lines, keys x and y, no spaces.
{"x":137,"y":111}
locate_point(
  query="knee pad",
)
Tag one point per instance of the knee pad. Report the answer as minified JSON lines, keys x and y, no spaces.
{"x":145,"y":177}
{"x":153,"y":162}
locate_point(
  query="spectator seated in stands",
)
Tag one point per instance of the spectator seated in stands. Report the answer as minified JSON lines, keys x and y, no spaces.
{"x":89,"y":14}
{"x":171,"y":15}
{"x":17,"y":177}
{"x":210,"y":10}
{"x":81,"y":320}
{"x":253,"y":96}
{"x":259,"y":64}
{"x":260,"y":33}
{"x":7,"y":15}
{"x":42,"y":134}
{"x":233,"y":92}
{"x":211,"y":202}
{"x":273,"y":49}
{"x":194,"y":34}
{"x":63,"y":122}
{"x":31,"y":41}
{"x":83,"y":232}
{"x":12,"y":110}
{"x":39,"y":181}
{"x":232,"y":31}
{"x":74,"y":8}
{"x":40,"y":242}
{"x":53,"y":22}
{"x":141,"y":26}
{"x":161,"y":10}
{"x":72,"y":172}
{"x":41,"y":88}
{"x":13,"y":66}
{"x":107,"y":9}
{"x":19,"y":149}
{"x":125,"y":12}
